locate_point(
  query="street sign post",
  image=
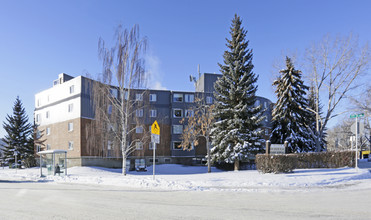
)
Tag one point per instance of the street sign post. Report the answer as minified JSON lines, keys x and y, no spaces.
{"x":155,"y":139}
{"x":356,"y":133}
{"x":360,"y":115}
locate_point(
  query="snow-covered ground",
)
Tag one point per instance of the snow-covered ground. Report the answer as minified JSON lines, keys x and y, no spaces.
{"x":193,"y":178}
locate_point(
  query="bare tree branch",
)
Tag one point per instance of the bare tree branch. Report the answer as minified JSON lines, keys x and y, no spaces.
{"x":335,"y":66}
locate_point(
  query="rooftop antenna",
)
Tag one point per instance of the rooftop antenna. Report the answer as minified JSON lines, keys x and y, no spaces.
{"x":193,"y":78}
{"x":198,"y":70}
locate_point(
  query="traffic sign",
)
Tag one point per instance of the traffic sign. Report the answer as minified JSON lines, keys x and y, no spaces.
{"x":155,"y":128}
{"x":155,"y":138}
{"x":357,"y":115}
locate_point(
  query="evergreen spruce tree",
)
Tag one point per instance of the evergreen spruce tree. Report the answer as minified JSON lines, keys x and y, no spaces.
{"x":290,"y":111}
{"x":235,"y":135}
{"x":18,"y":131}
{"x":36,"y":139}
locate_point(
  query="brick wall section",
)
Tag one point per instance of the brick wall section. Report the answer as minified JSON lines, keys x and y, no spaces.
{"x":60,"y":136}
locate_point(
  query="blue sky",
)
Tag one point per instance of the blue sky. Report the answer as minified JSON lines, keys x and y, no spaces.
{"x":40,"y":39}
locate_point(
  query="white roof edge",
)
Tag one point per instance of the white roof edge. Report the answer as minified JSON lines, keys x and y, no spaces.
{"x":51,"y":152}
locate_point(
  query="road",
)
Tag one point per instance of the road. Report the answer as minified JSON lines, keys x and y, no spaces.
{"x":30,"y":200}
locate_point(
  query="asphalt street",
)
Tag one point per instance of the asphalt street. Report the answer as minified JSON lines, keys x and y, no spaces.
{"x":34,"y":200}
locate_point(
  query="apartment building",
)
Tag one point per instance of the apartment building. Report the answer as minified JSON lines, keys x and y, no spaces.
{"x":64,"y":113}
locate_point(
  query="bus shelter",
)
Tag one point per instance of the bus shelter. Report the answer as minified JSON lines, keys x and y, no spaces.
{"x":53,"y":162}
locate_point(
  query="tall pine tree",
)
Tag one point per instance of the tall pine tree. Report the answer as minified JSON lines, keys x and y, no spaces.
{"x":235,"y":135}
{"x":290,"y":111}
{"x":17,"y":138}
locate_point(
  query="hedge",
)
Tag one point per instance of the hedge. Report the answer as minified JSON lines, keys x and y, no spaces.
{"x":286,"y":163}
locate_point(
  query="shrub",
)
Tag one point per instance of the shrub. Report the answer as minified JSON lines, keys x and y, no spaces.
{"x":276,"y":163}
{"x":288,"y":162}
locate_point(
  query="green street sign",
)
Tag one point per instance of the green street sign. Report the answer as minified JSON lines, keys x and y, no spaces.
{"x":357,"y":115}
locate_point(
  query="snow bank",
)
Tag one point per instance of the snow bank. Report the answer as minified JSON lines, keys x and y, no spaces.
{"x":177,"y":177}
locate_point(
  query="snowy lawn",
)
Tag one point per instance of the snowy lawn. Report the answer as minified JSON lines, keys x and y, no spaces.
{"x":193,"y":178}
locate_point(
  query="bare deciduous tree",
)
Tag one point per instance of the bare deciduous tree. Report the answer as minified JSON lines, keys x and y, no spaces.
{"x":118,"y":109}
{"x":362,"y":102}
{"x":338,"y":136}
{"x":199,"y":124}
{"x":335,"y":66}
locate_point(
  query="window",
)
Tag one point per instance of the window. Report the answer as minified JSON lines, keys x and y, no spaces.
{"x":139,"y":97}
{"x":48,"y":98}
{"x":126,"y":96}
{"x":257,"y":103}
{"x":150,"y":146}
{"x":209,"y":100}
{"x":38,"y":134}
{"x":72,"y":89}
{"x":38,"y":148}
{"x":70,"y":126}
{"x":47,"y":114}
{"x":109,"y":110}
{"x":138,"y":145}
{"x":139,"y":130}
{"x":70,"y":107}
{"x":177,"y":113}
{"x":153,"y":113}
{"x":189,"y":113}
{"x":113,"y":92}
{"x":177,"y":129}
{"x":38,"y":103}
{"x":139,"y":112}
{"x":70,"y":145}
{"x":152,"y":97}
{"x":47,"y":131}
{"x":151,"y":160}
{"x":38,"y":118}
{"x":177,"y":145}
{"x":48,"y":147}
{"x":109,"y":145}
{"x":177,"y":97}
{"x":189,"y":98}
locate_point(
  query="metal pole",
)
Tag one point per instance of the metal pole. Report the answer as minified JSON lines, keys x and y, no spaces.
{"x":356,"y":143}
{"x":154,"y":158}
{"x":53,"y":164}
{"x":41,"y":168}
{"x":65,"y":163}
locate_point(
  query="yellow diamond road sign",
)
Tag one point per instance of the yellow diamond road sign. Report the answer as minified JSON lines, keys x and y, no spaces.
{"x":155,"y":129}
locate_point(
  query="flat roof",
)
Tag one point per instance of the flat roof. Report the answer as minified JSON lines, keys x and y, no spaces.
{"x":52,"y":152}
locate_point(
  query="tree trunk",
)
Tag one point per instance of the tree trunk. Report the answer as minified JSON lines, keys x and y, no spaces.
{"x":208,"y":156}
{"x":124,"y":164}
{"x":236,"y":165}
{"x":318,"y":146}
